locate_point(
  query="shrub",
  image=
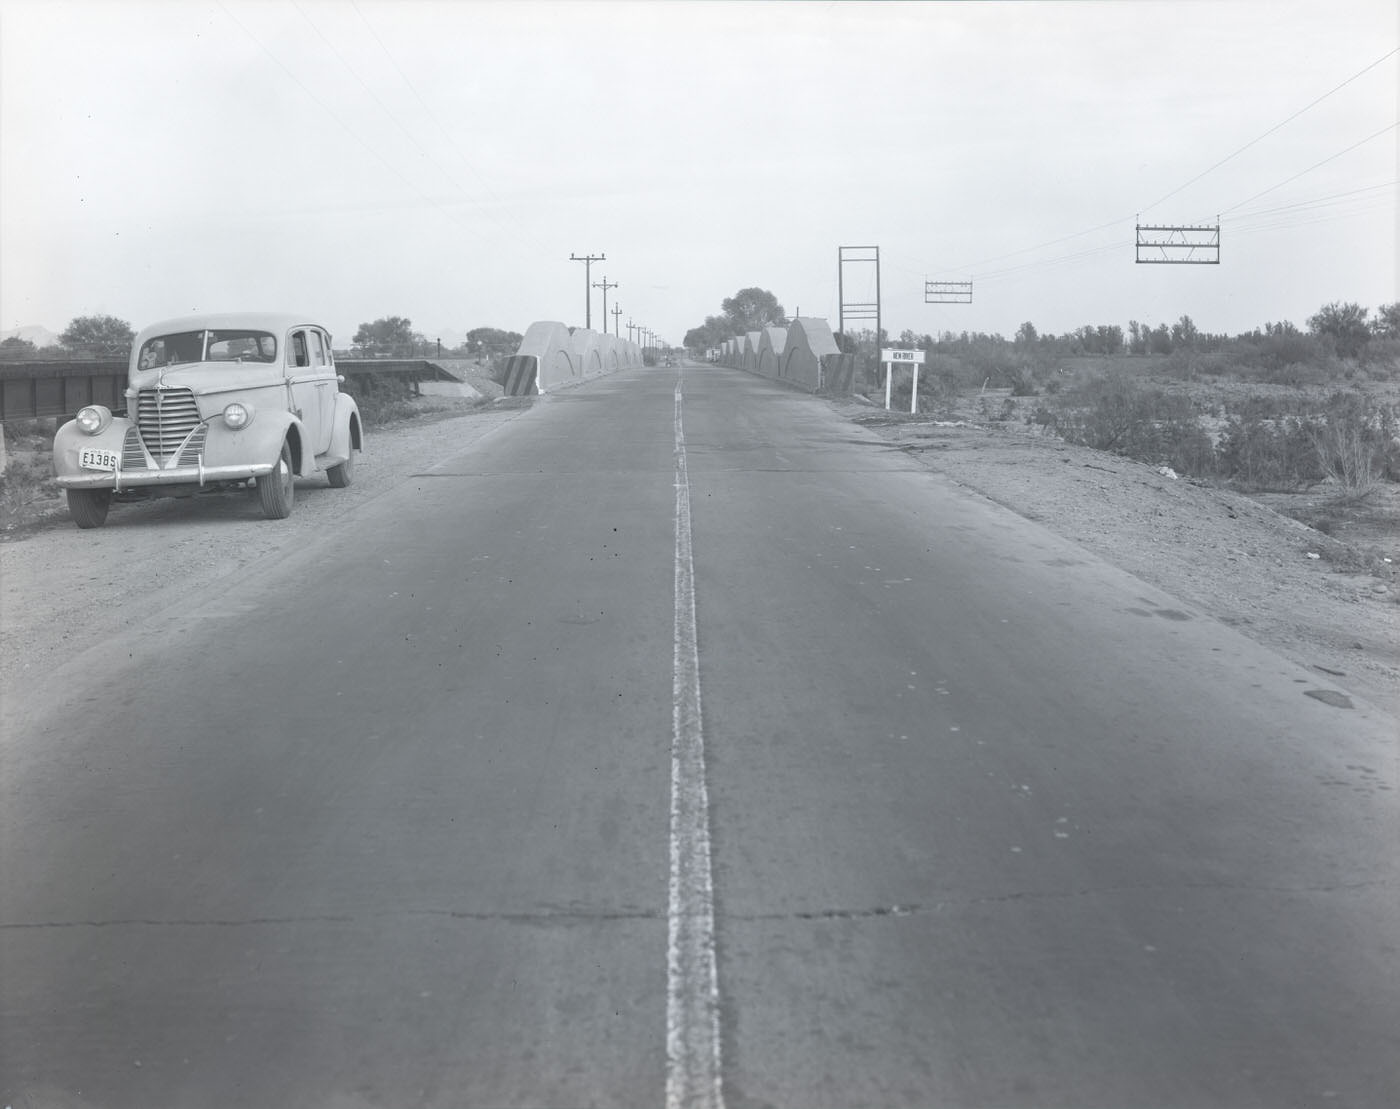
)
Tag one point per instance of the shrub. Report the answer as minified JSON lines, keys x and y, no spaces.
{"x":380,"y":397}
{"x":1150,"y":425}
{"x":28,"y":477}
{"x":1355,"y":442}
{"x":1024,"y":384}
{"x":1261,"y":453}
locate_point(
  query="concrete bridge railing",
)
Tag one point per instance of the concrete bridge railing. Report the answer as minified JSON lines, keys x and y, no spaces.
{"x":804,"y":353}
{"x":551,"y":354}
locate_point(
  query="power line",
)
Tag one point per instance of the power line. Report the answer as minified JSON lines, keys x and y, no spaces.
{"x":1271,"y":130}
{"x":429,"y":201}
{"x":521,"y":229}
{"x":1329,"y":158}
{"x":1320,"y":200}
{"x":972,"y":266}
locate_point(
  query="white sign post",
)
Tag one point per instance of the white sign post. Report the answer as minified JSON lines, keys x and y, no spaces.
{"x":914,"y":358}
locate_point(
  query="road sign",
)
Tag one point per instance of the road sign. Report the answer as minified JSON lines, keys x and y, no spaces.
{"x":893,"y":357}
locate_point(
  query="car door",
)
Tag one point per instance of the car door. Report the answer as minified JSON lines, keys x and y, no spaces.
{"x":313,"y":384}
{"x":327,"y":385}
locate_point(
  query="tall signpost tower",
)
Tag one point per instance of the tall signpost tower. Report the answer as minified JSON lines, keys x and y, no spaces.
{"x":858,"y":310}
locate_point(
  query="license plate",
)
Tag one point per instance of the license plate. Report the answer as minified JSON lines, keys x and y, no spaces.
{"x":90,"y":458}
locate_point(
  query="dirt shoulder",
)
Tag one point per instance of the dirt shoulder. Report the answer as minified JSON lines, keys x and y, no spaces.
{"x":1301,"y":592}
{"x":63,"y":590}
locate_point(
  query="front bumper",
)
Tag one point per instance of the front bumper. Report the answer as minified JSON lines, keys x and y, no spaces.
{"x":207,"y":455}
{"x":198,"y":474}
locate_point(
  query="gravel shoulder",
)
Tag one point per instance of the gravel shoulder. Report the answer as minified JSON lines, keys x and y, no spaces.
{"x":1274,"y":579}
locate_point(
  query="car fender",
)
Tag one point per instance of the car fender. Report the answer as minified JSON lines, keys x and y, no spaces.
{"x":347,"y":432}
{"x":267,"y":431}
{"x":69,"y":439}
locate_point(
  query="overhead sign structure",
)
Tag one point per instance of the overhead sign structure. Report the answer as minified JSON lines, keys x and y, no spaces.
{"x":947,"y":292}
{"x":892,"y":357}
{"x":1178,"y":245}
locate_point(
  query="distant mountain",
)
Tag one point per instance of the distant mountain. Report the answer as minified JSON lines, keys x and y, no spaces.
{"x":40,"y":336}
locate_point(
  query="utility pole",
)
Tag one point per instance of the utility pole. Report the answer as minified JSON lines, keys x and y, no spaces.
{"x":617,"y":311}
{"x":587,"y":260}
{"x":605,"y":286}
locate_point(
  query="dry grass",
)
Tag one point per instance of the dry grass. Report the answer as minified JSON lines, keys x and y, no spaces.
{"x":27,"y":487}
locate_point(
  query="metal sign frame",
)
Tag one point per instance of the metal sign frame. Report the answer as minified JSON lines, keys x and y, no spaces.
{"x":947,"y":292}
{"x":857,"y":310}
{"x":1177,"y":244}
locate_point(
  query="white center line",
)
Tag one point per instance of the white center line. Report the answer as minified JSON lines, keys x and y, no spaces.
{"x":693,"y":1079}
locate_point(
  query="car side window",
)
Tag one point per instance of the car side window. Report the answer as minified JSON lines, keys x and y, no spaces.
{"x":318,"y":352}
{"x":296,"y":353}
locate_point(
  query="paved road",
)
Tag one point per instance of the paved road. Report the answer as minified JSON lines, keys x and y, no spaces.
{"x":962,"y":816}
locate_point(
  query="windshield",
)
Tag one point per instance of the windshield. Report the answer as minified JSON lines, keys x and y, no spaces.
{"x":208,"y":346}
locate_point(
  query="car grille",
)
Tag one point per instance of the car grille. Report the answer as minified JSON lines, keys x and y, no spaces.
{"x":166,"y":417}
{"x":133,"y":457}
{"x":192,"y":450}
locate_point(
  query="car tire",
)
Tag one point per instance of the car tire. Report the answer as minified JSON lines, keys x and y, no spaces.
{"x":342,"y":475}
{"x":88,"y":507}
{"x":277,"y":490}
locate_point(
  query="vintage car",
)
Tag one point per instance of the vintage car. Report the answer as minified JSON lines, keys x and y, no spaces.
{"x":214,"y":402}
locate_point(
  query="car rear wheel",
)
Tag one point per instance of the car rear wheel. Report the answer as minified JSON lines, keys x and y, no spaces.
{"x":88,"y":507}
{"x":342,"y":475}
{"x":275,"y":490}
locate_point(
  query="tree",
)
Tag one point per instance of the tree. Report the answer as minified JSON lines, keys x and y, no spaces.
{"x":389,"y":335}
{"x":1386,"y":325}
{"x":1026,"y":335}
{"x":1185,"y":333}
{"x":714,"y":331}
{"x":1345,"y":323}
{"x":493,"y":342}
{"x":1108,"y":338}
{"x":98,"y":336}
{"x":751,"y":309}
{"x":15,"y":349}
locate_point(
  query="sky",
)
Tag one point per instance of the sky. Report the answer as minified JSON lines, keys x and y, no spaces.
{"x":441,"y":160}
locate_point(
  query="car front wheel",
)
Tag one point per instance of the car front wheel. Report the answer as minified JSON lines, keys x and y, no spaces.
{"x":343,"y":474}
{"x":275,"y":490}
{"x":88,"y":507}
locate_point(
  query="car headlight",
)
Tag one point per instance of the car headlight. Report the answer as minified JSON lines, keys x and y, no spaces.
{"x":238,"y":415}
{"x":93,"y":419}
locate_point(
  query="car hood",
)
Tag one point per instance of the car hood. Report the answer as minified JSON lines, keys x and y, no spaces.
{"x":202,"y":377}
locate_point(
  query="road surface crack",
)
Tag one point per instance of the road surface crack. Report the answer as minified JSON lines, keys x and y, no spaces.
{"x":929,"y":909}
